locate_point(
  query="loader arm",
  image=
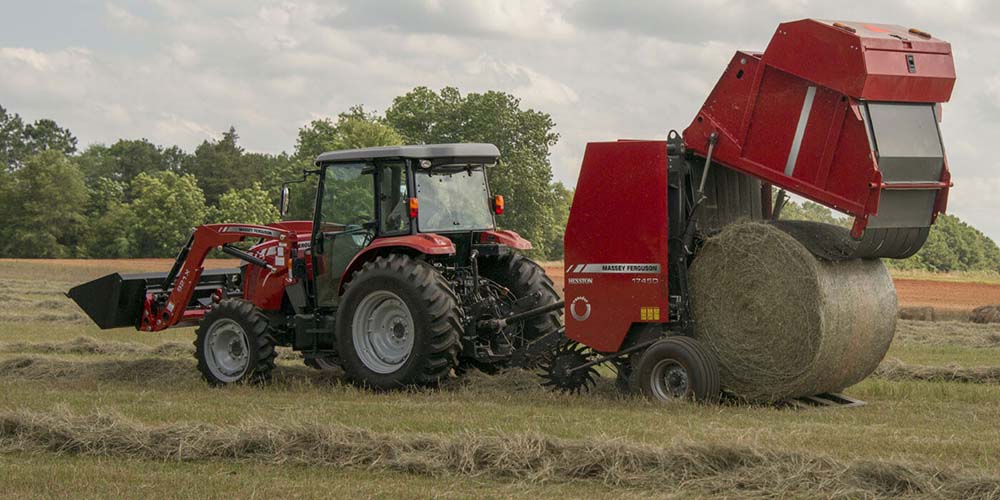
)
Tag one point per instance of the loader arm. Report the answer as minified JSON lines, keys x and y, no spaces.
{"x":161,"y":311}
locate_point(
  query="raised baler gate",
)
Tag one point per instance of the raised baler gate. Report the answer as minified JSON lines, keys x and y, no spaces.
{"x":844,"y":114}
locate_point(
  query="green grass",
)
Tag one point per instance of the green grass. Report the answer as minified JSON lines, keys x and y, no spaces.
{"x":948,"y":425}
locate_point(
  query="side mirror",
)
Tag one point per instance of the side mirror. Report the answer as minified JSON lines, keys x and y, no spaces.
{"x":283,"y":205}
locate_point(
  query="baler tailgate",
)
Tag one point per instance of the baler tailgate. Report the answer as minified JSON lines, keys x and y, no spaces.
{"x":910,"y":154}
{"x":857,"y":133}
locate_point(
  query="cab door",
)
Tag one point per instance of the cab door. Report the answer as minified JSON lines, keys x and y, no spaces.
{"x":344,"y":224}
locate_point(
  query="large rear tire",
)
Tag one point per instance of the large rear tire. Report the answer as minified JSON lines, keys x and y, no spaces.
{"x":678,"y":368}
{"x":398,"y":324}
{"x":234,"y":344}
{"x":523,"y":277}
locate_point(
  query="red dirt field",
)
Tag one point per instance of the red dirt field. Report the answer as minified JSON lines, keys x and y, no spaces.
{"x":946,"y":295}
{"x":941,"y":295}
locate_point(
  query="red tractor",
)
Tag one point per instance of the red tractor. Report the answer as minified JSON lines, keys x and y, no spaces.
{"x":401,"y":278}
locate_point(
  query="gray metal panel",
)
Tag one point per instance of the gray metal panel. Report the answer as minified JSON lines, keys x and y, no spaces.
{"x":487,"y":152}
{"x":904,"y":208}
{"x":907,"y":140}
{"x":905,"y":129}
{"x":800,"y":130}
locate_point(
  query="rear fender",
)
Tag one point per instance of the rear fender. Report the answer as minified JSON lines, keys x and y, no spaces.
{"x":507,"y":238}
{"x":411,"y":244}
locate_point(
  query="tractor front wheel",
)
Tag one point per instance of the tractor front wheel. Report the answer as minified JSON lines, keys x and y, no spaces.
{"x":678,"y":368}
{"x":234,"y":344}
{"x":398,"y":324}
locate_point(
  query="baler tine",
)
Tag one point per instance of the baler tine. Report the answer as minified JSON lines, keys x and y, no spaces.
{"x":844,"y":114}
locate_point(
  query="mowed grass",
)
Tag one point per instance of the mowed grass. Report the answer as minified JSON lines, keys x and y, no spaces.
{"x":946,"y":425}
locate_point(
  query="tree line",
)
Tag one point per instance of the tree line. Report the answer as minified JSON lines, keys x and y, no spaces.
{"x":134,"y":198}
{"x":952,"y":245}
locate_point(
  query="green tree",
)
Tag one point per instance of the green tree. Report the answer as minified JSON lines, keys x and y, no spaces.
{"x":560,"y":213}
{"x":125,"y":159}
{"x":524,"y":138}
{"x":166,"y":207}
{"x":47,"y":135}
{"x":953,"y":245}
{"x":11,"y":139}
{"x":353,"y":129}
{"x":251,"y":205}
{"x":814,"y":212}
{"x":43,"y":208}
{"x":219,"y":166}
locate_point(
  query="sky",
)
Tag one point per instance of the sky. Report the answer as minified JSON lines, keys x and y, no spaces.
{"x":182,"y":71}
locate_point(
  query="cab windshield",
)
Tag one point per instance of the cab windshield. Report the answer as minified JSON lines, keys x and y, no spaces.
{"x":453,"y":198}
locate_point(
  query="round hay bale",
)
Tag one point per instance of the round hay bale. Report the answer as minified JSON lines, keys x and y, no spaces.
{"x":986,"y":314}
{"x":783,"y":323}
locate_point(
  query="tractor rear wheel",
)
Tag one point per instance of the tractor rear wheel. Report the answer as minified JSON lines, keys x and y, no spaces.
{"x":398,"y":324}
{"x":523,"y":277}
{"x":678,"y":368}
{"x":234,"y":344}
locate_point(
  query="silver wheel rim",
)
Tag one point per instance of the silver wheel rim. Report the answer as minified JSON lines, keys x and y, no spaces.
{"x":669,"y":380}
{"x":227,"y":350}
{"x":383,"y":332}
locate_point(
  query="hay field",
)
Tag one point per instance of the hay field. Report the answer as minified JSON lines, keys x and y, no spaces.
{"x":93,"y":413}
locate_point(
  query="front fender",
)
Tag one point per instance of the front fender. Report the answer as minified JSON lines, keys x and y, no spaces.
{"x":426,"y":244}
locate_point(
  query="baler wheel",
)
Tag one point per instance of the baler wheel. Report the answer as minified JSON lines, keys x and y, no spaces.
{"x":678,"y":368}
{"x":556,"y":370}
{"x":234,"y":344}
{"x":398,"y":324}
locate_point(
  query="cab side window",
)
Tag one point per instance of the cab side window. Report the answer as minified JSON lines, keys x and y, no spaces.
{"x":393,"y":202}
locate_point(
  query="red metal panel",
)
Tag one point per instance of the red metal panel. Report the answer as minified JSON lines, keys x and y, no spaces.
{"x":616,"y":234}
{"x":869,"y":63}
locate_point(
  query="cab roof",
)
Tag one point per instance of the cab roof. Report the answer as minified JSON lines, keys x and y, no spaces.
{"x":486,"y":153}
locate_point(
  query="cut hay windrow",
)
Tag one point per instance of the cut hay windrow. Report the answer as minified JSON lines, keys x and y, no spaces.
{"x":90,"y":345}
{"x":894,"y":369}
{"x":708,"y":469}
{"x":152,"y":370}
{"x":783,"y":323}
{"x":957,"y":333}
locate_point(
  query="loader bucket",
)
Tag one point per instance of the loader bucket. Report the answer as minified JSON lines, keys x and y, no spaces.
{"x":116,"y":300}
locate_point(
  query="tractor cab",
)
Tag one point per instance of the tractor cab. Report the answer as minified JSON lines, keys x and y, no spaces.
{"x":424,"y":197}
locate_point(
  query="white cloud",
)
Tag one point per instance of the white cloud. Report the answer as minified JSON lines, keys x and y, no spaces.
{"x":522,"y":81}
{"x":123,"y":19}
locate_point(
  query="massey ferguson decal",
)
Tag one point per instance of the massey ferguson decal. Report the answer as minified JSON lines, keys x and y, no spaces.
{"x":614,"y":268}
{"x":580,"y":308}
{"x":260,"y":231}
